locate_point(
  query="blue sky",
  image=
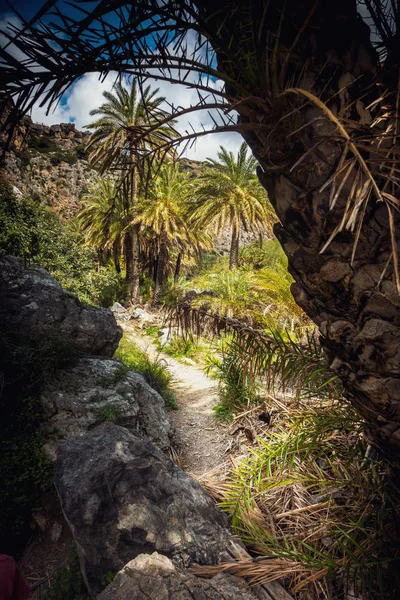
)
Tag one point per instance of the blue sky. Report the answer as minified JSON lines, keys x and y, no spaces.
{"x":86,"y":94}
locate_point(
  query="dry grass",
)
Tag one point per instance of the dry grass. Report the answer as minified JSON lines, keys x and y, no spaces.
{"x":312,"y":509}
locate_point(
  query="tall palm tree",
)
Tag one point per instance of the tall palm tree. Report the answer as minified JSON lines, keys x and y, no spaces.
{"x":316,"y":87}
{"x":103,"y":218}
{"x":127,"y":131}
{"x":229,"y":194}
{"x":164,"y":211}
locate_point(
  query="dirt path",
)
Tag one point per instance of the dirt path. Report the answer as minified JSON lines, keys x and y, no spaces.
{"x":202,"y":441}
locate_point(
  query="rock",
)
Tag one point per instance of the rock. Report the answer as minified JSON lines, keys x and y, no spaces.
{"x":155,"y":576}
{"x":166,"y":334}
{"x":122,"y":316}
{"x":34,"y":306}
{"x":188,"y":361}
{"x":94,"y":390}
{"x":118,"y":308}
{"x":56,"y":532}
{"x":193,"y":294}
{"x":139,"y":313}
{"x":122,"y":497}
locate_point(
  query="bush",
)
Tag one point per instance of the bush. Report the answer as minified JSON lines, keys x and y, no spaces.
{"x":69,"y":584}
{"x":37,"y":234}
{"x":42,"y":143}
{"x":154,"y":371}
{"x":60,"y":156}
{"x":323,"y":515}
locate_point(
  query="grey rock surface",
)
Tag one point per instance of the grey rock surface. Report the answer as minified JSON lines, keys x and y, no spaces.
{"x":95,"y":390}
{"x":122,"y":497}
{"x":33,"y":305}
{"x":118,"y":308}
{"x":155,"y":576}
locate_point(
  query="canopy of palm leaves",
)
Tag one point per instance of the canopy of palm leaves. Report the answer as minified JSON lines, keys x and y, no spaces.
{"x":230,"y":195}
{"x":104,"y":218}
{"x":128,"y":127}
{"x":163,"y":214}
{"x":164,"y":208}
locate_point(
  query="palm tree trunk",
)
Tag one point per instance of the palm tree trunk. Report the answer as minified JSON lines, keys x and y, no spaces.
{"x":356,"y":306}
{"x":135,"y":284}
{"x":116,"y":251}
{"x":129,"y":267}
{"x":234,"y":252}
{"x":135,"y":263}
{"x":162,"y":263}
{"x":178,"y":267}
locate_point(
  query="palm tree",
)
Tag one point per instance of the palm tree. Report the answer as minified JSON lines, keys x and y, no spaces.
{"x":103,"y":218}
{"x":316,"y":89}
{"x":164,"y":212}
{"x":229,"y":194}
{"x":125,"y":134}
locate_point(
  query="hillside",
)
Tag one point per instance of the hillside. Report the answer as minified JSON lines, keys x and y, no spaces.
{"x":49,"y":165}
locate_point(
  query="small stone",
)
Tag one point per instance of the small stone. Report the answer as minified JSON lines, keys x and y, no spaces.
{"x":56,"y":532}
{"x":118,"y":308}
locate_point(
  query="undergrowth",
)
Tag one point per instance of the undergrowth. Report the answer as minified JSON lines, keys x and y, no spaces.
{"x":155,"y":371}
{"x":69,"y":584}
{"x":324,"y":515}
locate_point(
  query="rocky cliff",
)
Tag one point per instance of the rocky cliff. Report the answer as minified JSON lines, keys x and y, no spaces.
{"x":49,"y":163}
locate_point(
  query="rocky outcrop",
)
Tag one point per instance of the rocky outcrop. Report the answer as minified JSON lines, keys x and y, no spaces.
{"x":155,"y":576}
{"x":48,"y":163}
{"x":34,"y":306}
{"x":122,"y":497}
{"x":96,"y":390}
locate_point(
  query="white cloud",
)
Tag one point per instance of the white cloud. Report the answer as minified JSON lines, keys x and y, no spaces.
{"x":86,"y":94}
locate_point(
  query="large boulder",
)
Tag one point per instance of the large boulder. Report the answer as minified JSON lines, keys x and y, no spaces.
{"x":155,"y":576}
{"x":94,"y":390}
{"x":33,"y":305}
{"x":122,"y":497}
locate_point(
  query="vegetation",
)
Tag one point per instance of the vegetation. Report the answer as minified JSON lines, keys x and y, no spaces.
{"x":154,"y":371}
{"x":229,"y":194}
{"x":128,"y":127}
{"x":33,"y":232}
{"x":317,"y":97}
{"x":318,"y":117}
{"x":69,"y":584}
{"x":309,"y":500}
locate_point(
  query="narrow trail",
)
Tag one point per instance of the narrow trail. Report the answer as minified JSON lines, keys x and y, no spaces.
{"x":202,"y":441}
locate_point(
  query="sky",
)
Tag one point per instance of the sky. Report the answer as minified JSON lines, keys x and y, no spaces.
{"x":86,"y":95}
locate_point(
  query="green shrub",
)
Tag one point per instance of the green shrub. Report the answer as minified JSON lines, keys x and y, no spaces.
{"x":185,"y":347}
{"x":155,"y":372}
{"x":110,"y":413}
{"x":35,"y":233}
{"x":69,"y":584}
{"x":60,"y":156}
{"x":42,"y":143}
{"x":236,"y":388}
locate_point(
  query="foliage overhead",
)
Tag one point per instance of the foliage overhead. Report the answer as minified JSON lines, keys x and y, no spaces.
{"x":260,"y":61}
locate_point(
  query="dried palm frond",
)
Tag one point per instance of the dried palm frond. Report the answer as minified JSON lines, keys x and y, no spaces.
{"x":312,"y":506}
{"x":367,"y":169}
{"x":277,"y":358}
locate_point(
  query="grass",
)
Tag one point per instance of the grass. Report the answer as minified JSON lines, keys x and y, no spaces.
{"x":325,"y":515}
{"x":69,"y":584}
{"x":109,"y":413}
{"x":179,"y":347}
{"x":257,"y":292}
{"x":154,"y":371}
